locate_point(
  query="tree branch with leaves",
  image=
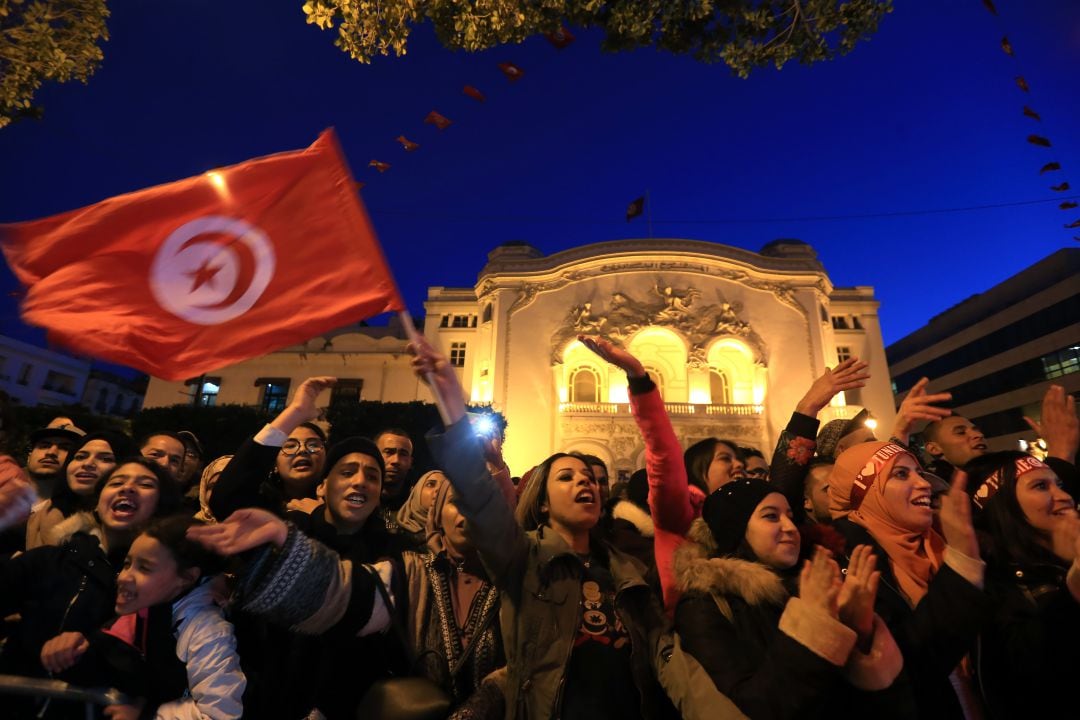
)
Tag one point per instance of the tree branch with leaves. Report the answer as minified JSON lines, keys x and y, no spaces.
{"x":743,"y":34}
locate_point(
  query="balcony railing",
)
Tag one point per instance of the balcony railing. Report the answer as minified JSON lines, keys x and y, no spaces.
{"x":673,"y":409}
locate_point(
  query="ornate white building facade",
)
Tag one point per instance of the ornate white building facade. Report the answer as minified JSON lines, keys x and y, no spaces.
{"x":732,"y":337}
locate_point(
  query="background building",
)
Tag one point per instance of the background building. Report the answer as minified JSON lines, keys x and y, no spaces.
{"x":733,"y":338}
{"x":997,"y":352}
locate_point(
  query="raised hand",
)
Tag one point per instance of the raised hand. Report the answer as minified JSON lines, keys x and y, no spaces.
{"x":435,"y":371}
{"x":819,"y":582}
{"x":955,"y":517}
{"x":919,"y":405}
{"x":1065,"y":538}
{"x":244,"y":530}
{"x":612,"y":353}
{"x":304,"y":505}
{"x":848,"y":375}
{"x":302,"y":408}
{"x":857,"y":596}
{"x":17,"y":496}
{"x":1059,"y":427}
{"x":63,"y":651}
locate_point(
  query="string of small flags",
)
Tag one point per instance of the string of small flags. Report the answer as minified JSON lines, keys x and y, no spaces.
{"x":1035,"y":139}
{"x":513,"y":73}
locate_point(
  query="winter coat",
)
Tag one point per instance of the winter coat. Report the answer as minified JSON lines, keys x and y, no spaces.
{"x":245,"y":482}
{"x":775,"y":655}
{"x":936,"y":634}
{"x":673,"y":502}
{"x":334,"y":596}
{"x":539,"y":578}
{"x":57,"y":588}
{"x":630,"y":529}
{"x":1022,"y":661}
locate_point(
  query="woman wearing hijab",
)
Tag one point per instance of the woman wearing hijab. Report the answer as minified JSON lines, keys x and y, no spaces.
{"x":931,"y":595}
{"x":412,"y":516}
{"x":210,"y":475}
{"x":1032,"y":539}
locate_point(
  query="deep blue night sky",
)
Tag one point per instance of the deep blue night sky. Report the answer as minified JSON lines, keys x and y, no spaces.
{"x":925,"y":116}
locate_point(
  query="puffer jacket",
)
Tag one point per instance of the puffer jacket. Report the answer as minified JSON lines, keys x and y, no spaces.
{"x":539,"y":579}
{"x":773,"y":654}
{"x":205,"y":644}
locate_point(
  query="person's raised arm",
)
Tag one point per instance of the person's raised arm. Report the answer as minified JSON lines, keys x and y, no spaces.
{"x":459,"y":451}
{"x":796,"y":444}
{"x":238,"y":486}
{"x":919,"y":405}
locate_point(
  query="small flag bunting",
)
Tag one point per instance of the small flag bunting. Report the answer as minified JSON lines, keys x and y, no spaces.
{"x":1007,"y":47}
{"x":1022,"y":83}
{"x":408,"y":144}
{"x":1067,"y":205}
{"x":512,"y":72}
{"x":1038,"y":140}
{"x":1049,"y":167}
{"x":989,"y":5}
{"x":380,"y":166}
{"x":438,"y":120}
{"x":1028,"y":112}
{"x":473,"y":93}
{"x":635,"y":208}
{"x":1060,"y":188}
{"x":560,"y":38}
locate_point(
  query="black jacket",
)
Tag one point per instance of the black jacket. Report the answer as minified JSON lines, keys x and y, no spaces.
{"x":66,"y":588}
{"x":1026,"y":657}
{"x":773,"y":655}
{"x":936,"y":634}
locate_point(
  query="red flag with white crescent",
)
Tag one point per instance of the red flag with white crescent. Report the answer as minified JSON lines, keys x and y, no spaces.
{"x":187,"y":277}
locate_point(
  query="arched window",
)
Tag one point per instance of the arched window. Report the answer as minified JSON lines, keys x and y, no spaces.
{"x":719,"y":387}
{"x":657,"y":377}
{"x":584,"y":385}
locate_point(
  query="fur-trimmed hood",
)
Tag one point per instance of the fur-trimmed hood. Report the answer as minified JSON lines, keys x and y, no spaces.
{"x":698,"y":569}
{"x":631,"y":513}
{"x":62,"y":531}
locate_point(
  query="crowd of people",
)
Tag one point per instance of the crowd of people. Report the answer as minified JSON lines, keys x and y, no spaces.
{"x":850,"y":576}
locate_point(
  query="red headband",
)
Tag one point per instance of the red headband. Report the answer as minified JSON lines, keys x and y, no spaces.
{"x":861,"y":485}
{"x":992,"y":484}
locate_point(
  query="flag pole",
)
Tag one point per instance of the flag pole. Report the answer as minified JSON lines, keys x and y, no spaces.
{"x":648,"y":211}
{"x":414,"y":336}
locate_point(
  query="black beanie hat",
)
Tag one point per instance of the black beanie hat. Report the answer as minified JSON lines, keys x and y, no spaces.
{"x":637,"y":489}
{"x":728,"y":510}
{"x":349,"y":445}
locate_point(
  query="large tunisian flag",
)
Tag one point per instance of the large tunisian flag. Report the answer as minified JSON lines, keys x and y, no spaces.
{"x":197,"y":274}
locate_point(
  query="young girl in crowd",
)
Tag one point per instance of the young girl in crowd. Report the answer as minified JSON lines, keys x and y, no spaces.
{"x":1031,"y":534}
{"x":86,"y":465}
{"x":931,"y":595}
{"x":577,"y":618}
{"x":72,"y":586}
{"x":171,"y":648}
{"x":779,"y":642}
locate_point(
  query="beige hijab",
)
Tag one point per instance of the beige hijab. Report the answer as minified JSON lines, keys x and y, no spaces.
{"x":413,"y":515}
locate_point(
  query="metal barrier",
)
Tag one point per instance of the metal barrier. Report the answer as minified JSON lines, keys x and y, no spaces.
{"x":60,"y":690}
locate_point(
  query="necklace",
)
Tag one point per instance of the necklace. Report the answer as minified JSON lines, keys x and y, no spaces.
{"x":586,"y":560}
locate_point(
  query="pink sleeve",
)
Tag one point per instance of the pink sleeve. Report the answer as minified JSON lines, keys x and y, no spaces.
{"x":669,"y":490}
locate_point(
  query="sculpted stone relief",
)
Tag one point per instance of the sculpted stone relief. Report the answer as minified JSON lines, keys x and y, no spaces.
{"x":666,"y":306}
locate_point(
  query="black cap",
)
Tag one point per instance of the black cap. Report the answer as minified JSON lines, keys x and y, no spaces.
{"x":349,"y":445}
{"x":727,"y":511}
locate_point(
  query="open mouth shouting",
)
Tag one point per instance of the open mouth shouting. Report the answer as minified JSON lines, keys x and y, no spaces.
{"x":586,"y":496}
{"x":124,"y":508}
{"x":922,"y":501}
